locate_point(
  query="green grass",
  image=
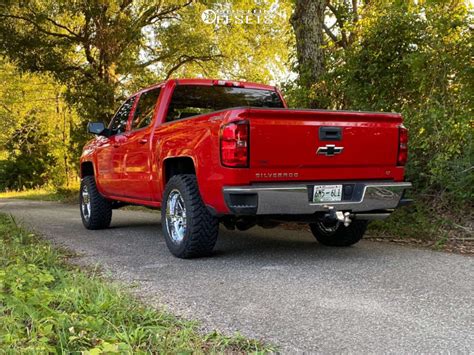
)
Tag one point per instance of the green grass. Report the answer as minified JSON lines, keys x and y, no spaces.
{"x":47,"y":305}
{"x":425,"y":221}
{"x":66,"y":195}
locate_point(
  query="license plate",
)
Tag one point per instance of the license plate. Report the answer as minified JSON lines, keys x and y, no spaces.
{"x":327,"y":193}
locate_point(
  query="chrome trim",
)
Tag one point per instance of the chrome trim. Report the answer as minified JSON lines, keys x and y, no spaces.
{"x":293,"y":198}
{"x":85,"y":203}
{"x":176,"y":216}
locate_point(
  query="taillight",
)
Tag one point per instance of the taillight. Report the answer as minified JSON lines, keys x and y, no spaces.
{"x":235,"y":144}
{"x":402,"y":145}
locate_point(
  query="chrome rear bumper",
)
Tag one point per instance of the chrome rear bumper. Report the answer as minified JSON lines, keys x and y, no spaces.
{"x":284,"y":199}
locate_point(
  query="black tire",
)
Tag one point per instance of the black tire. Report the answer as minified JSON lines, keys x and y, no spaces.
{"x":337,"y":235}
{"x":201,"y":229}
{"x":100,"y":209}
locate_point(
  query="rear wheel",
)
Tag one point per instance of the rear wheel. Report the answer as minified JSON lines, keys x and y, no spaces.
{"x":96,"y":211}
{"x":189,"y":228}
{"x":335,"y":234}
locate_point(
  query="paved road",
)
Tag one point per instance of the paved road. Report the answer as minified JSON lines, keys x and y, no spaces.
{"x":281,"y":286}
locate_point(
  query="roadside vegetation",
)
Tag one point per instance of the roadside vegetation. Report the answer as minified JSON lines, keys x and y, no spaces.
{"x":428,"y":224}
{"x":49,"y":306}
{"x":60,"y":194}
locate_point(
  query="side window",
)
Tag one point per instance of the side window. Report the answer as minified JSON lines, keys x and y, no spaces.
{"x":145,"y":108}
{"x":119,"y":122}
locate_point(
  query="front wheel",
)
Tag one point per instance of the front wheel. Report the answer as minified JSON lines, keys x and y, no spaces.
{"x":189,"y":228}
{"x":335,"y":234}
{"x":96,"y":211}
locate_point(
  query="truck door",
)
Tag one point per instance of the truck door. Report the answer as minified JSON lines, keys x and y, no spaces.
{"x":111,"y":154}
{"x":137,"y":171}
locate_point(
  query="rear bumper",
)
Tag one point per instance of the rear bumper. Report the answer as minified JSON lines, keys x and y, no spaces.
{"x":296,"y":198}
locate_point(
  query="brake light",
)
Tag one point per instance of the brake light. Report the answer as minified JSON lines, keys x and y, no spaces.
{"x":235,"y":144}
{"x":227,"y":83}
{"x":402,"y":145}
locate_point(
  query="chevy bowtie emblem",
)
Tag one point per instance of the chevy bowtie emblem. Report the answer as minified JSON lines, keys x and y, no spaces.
{"x":329,"y":150}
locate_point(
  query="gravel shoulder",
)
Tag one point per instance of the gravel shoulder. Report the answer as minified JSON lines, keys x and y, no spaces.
{"x":280,"y":285}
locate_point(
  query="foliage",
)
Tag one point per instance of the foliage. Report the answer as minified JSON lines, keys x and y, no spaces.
{"x":103,"y":51}
{"x":87,"y":45}
{"x":35,"y":137}
{"x":250,"y":51}
{"x":414,"y":58}
{"x":29,"y":159}
{"x":49,"y":307}
{"x":442,"y":225}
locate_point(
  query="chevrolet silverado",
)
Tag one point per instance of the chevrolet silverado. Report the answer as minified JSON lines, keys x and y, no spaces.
{"x":216,"y":151}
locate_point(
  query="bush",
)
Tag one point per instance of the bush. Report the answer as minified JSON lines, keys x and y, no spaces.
{"x":48,"y":307}
{"x":30,"y":161}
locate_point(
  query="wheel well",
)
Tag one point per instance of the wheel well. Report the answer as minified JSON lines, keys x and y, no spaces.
{"x":87,"y":169}
{"x":175,"y":166}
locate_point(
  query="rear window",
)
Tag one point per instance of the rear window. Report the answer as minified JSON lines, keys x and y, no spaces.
{"x":192,"y":100}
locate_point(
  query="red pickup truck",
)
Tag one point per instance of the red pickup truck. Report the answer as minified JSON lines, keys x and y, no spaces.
{"x":210,"y":151}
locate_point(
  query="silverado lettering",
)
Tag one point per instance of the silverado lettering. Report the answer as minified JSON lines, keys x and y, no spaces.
{"x":213,"y":151}
{"x":275,"y":175}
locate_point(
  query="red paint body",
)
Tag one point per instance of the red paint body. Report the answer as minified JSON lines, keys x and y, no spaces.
{"x":130,"y":166}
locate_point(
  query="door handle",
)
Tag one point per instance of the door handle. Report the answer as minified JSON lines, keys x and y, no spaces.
{"x":330,"y":133}
{"x":143,"y":141}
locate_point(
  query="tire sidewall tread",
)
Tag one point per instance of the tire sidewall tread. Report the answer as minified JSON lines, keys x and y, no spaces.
{"x":201,"y":227}
{"x":101,"y":208}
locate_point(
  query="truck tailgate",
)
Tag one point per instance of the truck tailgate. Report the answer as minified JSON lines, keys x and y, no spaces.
{"x":283,"y":138}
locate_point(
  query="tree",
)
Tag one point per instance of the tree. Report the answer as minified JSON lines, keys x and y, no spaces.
{"x":91,"y":47}
{"x":30,"y":159}
{"x":415,"y":58}
{"x":104,"y":50}
{"x":24,"y":96}
{"x":308,"y":22}
{"x":343,"y":16}
{"x":253,"y":51}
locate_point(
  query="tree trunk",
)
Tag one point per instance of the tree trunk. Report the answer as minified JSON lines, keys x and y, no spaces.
{"x":307,"y":22}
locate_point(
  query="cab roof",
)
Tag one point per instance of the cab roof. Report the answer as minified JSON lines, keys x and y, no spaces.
{"x":211,"y":82}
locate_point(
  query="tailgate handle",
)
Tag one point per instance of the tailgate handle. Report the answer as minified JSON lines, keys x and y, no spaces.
{"x":330,"y":133}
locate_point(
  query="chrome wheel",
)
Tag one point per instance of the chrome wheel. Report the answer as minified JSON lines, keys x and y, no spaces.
{"x":328,"y":228}
{"x":176,"y":216}
{"x":85,"y":203}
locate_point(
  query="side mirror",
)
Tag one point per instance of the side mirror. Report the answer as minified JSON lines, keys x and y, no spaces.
{"x":97,"y":128}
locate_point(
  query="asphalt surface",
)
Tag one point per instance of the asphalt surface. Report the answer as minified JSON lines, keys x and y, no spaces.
{"x":281,"y":286}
